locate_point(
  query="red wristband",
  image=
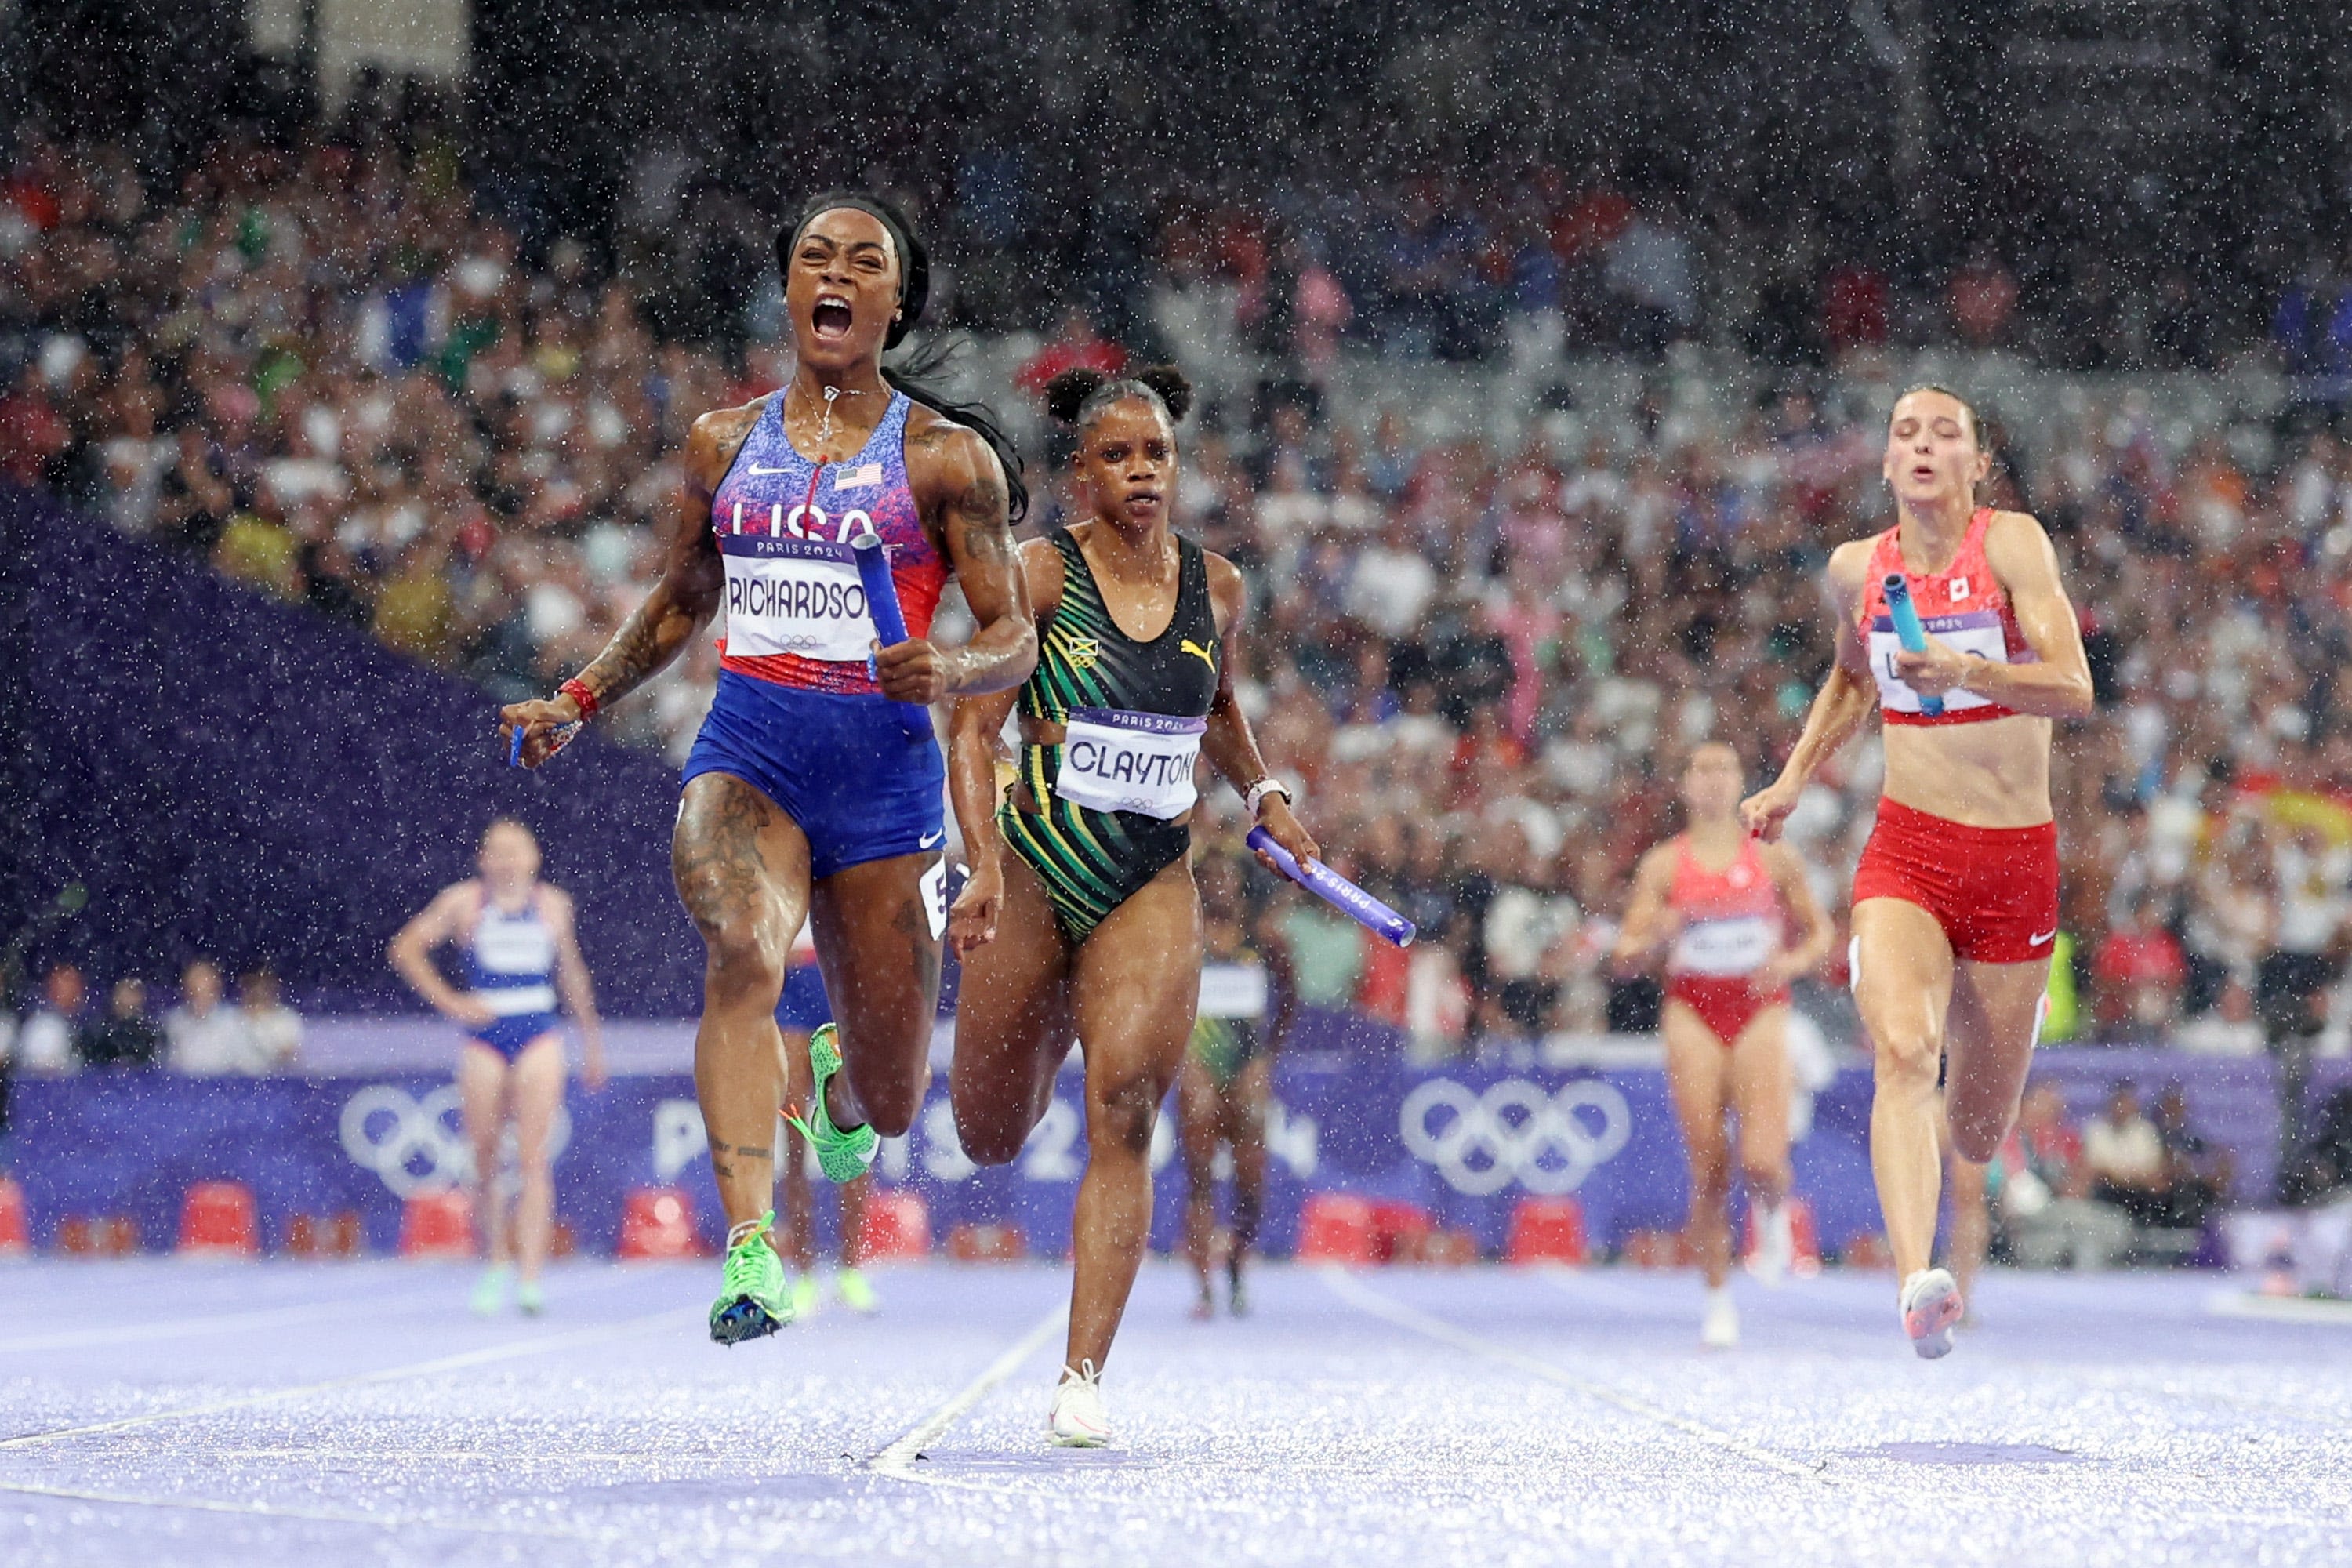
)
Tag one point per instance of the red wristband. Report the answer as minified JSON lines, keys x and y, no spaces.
{"x":577,"y":689}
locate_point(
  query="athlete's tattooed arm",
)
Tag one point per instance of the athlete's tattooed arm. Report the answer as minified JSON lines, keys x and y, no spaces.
{"x":681,"y":603}
{"x":960,"y":486}
{"x":975,"y":747}
{"x":1229,"y":747}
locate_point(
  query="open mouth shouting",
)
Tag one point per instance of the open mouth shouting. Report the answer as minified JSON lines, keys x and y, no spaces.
{"x":830,"y":317}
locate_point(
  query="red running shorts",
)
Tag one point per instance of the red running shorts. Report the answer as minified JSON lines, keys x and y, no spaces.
{"x":1993,"y":890}
{"x":1725,"y":1003}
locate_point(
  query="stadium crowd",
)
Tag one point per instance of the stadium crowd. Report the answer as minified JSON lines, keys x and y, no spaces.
{"x":326,"y":371}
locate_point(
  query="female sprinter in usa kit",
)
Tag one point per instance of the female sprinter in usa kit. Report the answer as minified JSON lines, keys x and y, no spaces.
{"x":805,"y":794}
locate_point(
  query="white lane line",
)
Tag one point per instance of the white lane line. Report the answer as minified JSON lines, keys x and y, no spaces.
{"x":897,"y":1460}
{"x":512,"y":1351}
{"x":1356,"y":1293}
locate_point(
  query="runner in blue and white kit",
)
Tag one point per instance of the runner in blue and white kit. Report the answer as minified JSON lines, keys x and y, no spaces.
{"x":516,"y":935}
{"x":805,"y":796}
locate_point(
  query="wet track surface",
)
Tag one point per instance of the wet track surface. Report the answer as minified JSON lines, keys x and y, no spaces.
{"x":159,"y":1412}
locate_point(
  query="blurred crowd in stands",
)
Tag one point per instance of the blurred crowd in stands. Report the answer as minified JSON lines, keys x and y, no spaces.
{"x":324,"y":370}
{"x":203,"y":1034}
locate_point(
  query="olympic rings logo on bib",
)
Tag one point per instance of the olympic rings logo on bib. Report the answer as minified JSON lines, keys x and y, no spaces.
{"x":1514,"y":1131}
{"x":419,"y":1145}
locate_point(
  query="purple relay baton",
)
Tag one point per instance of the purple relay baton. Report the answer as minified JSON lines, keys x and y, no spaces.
{"x":1337,"y":891}
{"x":889,"y":621}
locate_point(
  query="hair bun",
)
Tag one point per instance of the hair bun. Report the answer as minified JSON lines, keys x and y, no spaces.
{"x":1174,"y":387}
{"x":1067,"y":393}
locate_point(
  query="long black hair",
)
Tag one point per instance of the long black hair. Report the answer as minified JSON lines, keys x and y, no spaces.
{"x":915,"y":371}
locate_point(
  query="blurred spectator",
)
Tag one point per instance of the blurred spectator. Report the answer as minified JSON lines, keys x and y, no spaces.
{"x":2041,"y":1187}
{"x":126,"y":1036}
{"x":205,"y":1036}
{"x":2139,"y":971}
{"x":50,"y":1045}
{"x":1077,"y":344}
{"x":273,"y":1030}
{"x":2291,"y":979}
{"x":2200,"y":1173}
{"x":2321,"y":1169}
{"x":2125,"y":1157}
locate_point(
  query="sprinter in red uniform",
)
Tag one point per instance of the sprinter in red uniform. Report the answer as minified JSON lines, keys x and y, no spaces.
{"x":1956,"y":901}
{"x":1720,"y":905}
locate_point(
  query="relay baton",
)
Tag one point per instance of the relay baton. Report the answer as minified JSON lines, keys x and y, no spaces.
{"x":1337,"y":891}
{"x":1907,"y":629}
{"x":558,"y":738}
{"x":890,"y":623}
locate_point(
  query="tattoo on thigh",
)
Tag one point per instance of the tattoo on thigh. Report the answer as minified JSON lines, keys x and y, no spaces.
{"x":715,"y":855}
{"x":911,"y":922}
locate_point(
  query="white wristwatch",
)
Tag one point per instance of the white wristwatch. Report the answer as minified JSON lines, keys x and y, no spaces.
{"x":1266,"y":786}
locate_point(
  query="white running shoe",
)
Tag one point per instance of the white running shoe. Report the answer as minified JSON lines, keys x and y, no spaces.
{"x":1776,"y":1245}
{"x":1719,"y":1329}
{"x":1931,"y":1305}
{"x":1077,"y":1420}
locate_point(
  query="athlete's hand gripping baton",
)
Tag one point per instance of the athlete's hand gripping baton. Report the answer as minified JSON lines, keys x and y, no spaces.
{"x":1907,"y":629}
{"x":1337,"y":891}
{"x":890,"y":623}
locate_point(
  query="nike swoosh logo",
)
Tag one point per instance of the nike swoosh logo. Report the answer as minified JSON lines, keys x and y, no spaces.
{"x":757,"y":472}
{"x":1186,"y":645}
{"x":2049,"y":935}
{"x":927,"y":840}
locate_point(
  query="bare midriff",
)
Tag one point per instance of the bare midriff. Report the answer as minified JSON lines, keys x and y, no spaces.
{"x":1995,"y":773}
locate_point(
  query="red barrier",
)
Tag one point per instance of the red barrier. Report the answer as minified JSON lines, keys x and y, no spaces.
{"x":16,"y":1231}
{"x":437,"y":1224}
{"x":1338,"y":1227}
{"x":1547,"y":1230}
{"x":658,"y":1222}
{"x":896,"y":1226}
{"x":218,"y":1219}
{"x":1401,"y":1230}
{"x":1806,"y":1260}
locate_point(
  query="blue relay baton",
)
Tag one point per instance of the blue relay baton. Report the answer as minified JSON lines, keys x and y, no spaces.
{"x":1907,"y":629}
{"x":558,"y":738}
{"x":889,"y":621}
{"x":1337,"y":891}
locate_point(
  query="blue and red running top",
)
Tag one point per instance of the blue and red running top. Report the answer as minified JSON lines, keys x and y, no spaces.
{"x":796,"y":613}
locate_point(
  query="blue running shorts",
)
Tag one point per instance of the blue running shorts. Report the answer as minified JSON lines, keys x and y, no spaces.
{"x":841,"y":767}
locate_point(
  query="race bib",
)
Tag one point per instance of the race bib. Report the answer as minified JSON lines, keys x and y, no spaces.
{"x":1978,"y":634}
{"x":1739,"y":945}
{"x":1116,"y":760}
{"x":794,"y":595}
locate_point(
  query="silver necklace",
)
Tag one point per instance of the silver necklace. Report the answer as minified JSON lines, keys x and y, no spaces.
{"x":824,"y":427}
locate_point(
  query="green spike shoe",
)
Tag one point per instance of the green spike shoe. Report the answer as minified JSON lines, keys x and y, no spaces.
{"x":804,"y":1297}
{"x":842,"y":1155}
{"x":752,"y":1294}
{"x":856,"y":1291}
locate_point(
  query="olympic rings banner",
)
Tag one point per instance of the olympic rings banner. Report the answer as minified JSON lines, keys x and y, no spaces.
{"x":1465,"y":1143}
